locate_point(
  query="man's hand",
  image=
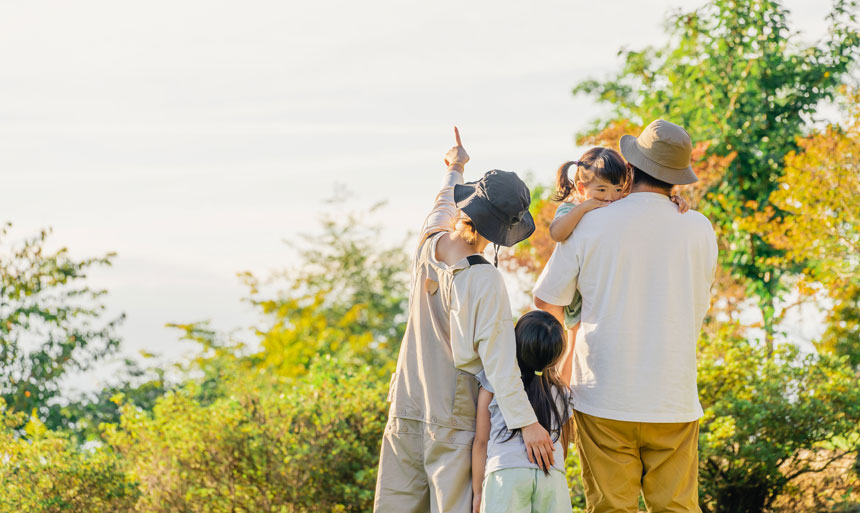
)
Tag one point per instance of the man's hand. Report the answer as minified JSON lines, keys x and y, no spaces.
{"x":456,"y":157}
{"x":538,"y":445}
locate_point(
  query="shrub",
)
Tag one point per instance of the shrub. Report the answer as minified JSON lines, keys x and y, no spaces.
{"x":44,"y":472}
{"x":765,"y":414}
{"x":312,"y":446}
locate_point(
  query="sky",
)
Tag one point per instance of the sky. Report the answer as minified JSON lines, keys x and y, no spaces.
{"x":197,"y":139}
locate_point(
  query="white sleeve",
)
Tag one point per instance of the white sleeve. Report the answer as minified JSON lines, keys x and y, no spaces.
{"x":557,"y":283}
{"x":482,"y":326}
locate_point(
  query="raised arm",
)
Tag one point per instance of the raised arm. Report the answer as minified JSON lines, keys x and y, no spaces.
{"x":444,"y":212}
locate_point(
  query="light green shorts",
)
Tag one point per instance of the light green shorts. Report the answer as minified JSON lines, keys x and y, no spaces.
{"x":525,"y":490}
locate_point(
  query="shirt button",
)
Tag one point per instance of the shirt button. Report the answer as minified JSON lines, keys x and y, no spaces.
{"x":405,"y":429}
{"x":454,"y":422}
{"x":433,"y":419}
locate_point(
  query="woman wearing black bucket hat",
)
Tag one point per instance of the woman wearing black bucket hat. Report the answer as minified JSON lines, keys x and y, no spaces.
{"x":459,"y":324}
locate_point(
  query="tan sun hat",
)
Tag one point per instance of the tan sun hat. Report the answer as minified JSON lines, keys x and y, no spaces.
{"x":663,"y":151}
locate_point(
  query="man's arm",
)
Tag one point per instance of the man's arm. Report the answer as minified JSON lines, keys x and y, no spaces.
{"x":557,"y":283}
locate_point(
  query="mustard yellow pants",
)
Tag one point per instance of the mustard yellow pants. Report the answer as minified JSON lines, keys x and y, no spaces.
{"x":619,"y":459}
{"x":424,"y":468}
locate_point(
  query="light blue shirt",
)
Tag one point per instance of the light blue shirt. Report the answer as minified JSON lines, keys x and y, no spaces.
{"x":503,"y":453}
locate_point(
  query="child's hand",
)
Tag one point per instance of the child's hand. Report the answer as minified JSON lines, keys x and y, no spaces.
{"x":457,"y":156}
{"x":681,"y":202}
{"x":593,"y":203}
{"x":476,"y":502}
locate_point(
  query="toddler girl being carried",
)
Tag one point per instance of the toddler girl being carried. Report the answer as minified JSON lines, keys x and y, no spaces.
{"x":601,"y":176}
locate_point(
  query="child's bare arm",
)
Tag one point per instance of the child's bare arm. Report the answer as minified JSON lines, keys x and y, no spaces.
{"x":479,"y":446}
{"x":561,"y":227}
{"x":566,"y":368}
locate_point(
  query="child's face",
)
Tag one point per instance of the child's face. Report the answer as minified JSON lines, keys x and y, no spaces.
{"x":600,"y":189}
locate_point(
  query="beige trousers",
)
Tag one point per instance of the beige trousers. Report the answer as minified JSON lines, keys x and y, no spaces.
{"x":424,"y":467}
{"x":619,"y":459}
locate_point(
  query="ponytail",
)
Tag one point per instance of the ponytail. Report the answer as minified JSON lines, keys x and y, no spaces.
{"x":628,"y":179}
{"x":563,"y":184}
{"x":540,"y":346}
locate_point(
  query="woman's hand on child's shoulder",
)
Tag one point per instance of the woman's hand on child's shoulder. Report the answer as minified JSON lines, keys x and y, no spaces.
{"x":683,"y":206}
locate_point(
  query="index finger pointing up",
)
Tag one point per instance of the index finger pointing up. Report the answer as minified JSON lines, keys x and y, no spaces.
{"x":457,"y":136}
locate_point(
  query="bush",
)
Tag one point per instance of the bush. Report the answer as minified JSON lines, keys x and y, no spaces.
{"x":310,"y":447}
{"x":43,"y":472}
{"x":764,"y":416}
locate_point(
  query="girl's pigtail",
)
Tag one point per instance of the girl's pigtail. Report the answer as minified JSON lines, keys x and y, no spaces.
{"x":628,"y":179}
{"x":563,"y":183}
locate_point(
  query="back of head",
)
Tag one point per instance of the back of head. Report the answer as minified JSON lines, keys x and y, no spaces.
{"x":642,"y":178}
{"x":540,"y":346}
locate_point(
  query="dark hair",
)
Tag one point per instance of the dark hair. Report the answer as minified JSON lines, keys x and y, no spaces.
{"x":540,"y":346}
{"x":643,"y":178}
{"x":604,"y":163}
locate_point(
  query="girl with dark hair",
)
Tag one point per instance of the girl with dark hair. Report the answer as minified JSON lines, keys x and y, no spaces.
{"x":503,"y":479}
{"x":601,"y":176}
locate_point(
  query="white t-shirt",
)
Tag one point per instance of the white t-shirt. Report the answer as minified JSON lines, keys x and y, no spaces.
{"x":645,"y":272}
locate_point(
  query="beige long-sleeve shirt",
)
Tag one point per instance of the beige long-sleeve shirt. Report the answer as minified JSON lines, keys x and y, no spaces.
{"x":459,"y":323}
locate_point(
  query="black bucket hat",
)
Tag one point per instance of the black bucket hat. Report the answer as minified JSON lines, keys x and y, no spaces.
{"x":498,"y":205}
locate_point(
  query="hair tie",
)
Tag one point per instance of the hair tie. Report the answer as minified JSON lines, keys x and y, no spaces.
{"x":576,"y":162}
{"x":538,"y":373}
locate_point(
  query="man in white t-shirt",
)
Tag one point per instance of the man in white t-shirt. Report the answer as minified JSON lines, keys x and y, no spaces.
{"x":645,"y":273}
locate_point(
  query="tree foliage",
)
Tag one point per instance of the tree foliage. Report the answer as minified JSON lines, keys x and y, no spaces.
{"x":813,"y":217}
{"x":737,"y":78}
{"x":310,"y":447}
{"x":348,"y":300}
{"x":44,"y":472}
{"x":769,"y":419}
{"x":51,"y":324}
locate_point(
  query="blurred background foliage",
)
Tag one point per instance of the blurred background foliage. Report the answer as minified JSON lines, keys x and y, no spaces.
{"x":293,"y":421}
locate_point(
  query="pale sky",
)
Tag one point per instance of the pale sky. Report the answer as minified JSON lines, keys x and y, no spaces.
{"x":194,"y":137}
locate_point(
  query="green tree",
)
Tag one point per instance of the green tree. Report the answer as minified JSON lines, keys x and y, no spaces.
{"x":347,"y":299}
{"x":769,"y":419}
{"x":736,"y":77}
{"x":51,"y":324}
{"x":83,"y":415}
{"x":813,"y":217}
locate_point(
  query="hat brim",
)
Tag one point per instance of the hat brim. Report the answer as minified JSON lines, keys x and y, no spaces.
{"x":487,"y":225}
{"x":631,"y":151}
